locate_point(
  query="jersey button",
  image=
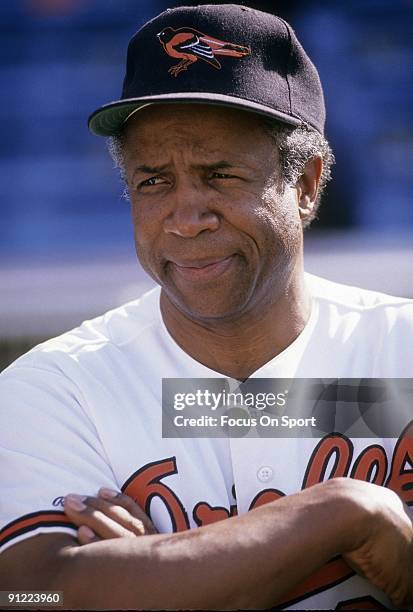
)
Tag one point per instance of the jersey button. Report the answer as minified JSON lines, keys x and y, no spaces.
{"x":265,"y":473}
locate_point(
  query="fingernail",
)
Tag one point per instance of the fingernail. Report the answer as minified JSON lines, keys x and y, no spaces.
{"x":87,"y":531}
{"x":108,"y":493}
{"x":75,"y":502}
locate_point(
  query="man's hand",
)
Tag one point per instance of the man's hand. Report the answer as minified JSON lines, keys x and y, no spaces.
{"x":383,"y":553}
{"x":110,"y":515}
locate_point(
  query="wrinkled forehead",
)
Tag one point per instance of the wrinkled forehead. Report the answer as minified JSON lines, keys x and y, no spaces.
{"x":199,"y":125}
{"x":196,"y":136}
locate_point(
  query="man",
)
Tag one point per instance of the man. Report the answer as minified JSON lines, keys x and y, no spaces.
{"x":219,"y":137}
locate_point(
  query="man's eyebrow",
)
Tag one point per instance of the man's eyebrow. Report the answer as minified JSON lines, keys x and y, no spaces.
{"x":215,"y":165}
{"x":222,"y":164}
{"x":150,"y":169}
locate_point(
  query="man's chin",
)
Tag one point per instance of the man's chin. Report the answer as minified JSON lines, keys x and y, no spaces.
{"x":199,"y":308}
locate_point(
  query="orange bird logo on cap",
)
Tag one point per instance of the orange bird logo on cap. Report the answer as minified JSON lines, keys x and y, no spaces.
{"x":190,"y":45}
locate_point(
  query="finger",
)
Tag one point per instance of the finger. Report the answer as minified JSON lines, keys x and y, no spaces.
{"x":86,"y":535}
{"x":121,"y":519}
{"x":118,"y":514}
{"x":130,"y":505}
{"x":81,"y":512}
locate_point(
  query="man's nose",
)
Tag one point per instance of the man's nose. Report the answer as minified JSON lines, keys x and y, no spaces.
{"x":191,"y":212}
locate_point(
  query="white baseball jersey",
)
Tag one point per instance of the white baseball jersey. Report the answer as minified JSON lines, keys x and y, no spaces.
{"x":83,"y":411}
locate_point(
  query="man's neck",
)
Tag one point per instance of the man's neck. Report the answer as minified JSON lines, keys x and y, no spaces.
{"x":237,"y":348}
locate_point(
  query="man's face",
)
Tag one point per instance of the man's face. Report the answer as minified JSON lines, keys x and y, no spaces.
{"x":213,"y":224}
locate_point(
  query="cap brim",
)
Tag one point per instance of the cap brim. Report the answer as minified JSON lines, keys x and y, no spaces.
{"x":110,"y":118}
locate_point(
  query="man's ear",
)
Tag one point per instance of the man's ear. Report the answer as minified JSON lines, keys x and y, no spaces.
{"x":307,"y":187}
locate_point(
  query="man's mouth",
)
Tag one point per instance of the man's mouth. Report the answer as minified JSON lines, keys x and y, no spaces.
{"x":202,"y":269}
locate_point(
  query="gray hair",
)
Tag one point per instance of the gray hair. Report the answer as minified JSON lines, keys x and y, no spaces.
{"x":296,"y":146}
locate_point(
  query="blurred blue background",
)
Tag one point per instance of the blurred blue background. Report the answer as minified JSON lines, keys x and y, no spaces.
{"x":61,"y":199}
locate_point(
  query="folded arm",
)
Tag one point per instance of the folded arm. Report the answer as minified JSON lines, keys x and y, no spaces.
{"x":248,"y":561}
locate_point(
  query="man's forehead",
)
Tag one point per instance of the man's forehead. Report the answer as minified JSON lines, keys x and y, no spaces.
{"x":214,"y":134}
{"x":202,"y":124}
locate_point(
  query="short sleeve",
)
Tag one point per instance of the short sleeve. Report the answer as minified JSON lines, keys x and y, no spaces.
{"x":49,"y":447}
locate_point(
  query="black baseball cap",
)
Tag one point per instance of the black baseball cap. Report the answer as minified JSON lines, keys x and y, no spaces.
{"x":224,"y":54}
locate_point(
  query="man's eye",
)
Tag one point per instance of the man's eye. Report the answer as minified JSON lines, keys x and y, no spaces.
{"x":154,"y":180}
{"x":221,"y":175}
